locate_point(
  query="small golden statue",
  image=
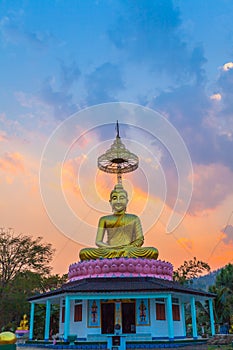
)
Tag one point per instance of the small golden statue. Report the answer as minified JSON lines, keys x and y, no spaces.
{"x":124,"y":231}
{"x":23,"y":326}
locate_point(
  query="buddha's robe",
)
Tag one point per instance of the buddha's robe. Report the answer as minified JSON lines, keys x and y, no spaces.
{"x":124,"y":239}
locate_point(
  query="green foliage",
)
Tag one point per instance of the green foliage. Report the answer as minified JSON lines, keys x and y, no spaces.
{"x":225,"y":277}
{"x":53,"y":282}
{"x":223,"y":288}
{"x":13,"y":304}
{"x":189,"y":270}
{"x":24,"y":270}
{"x":39,"y":320}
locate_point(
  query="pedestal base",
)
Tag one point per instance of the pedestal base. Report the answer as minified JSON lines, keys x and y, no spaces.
{"x":120,"y":267}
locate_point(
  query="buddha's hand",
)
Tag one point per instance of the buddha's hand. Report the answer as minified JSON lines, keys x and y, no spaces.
{"x":137,"y":243}
{"x":106,"y":246}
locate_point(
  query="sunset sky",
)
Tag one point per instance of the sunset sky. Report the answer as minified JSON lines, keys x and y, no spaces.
{"x":164,"y":69}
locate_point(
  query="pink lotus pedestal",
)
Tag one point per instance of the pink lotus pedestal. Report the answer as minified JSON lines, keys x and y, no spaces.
{"x":120,"y":267}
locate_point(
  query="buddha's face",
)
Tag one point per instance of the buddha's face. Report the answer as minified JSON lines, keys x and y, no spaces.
{"x":118,"y":201}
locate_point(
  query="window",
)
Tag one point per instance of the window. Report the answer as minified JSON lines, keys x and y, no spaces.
{"x":63,"y":314}
{"x":175,"y":301}
{"x":160,"y":311}
{"x":160,"y":300}
{"x":78,"y":301}
{"x":78,"y":313}
{"x":176,"y":312}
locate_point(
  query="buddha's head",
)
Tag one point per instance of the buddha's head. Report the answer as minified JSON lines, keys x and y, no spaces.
{"x":118,"y":199}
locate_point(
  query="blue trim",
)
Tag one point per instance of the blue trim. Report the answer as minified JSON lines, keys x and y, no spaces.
{"x":194,"y":317}
{"x":67,"y":318}
{"x":31,"y":328}
{"x":166,"y":338}
{"x":129,"y":345}
{"x":47,"y":320}
{"x":169,"y":317}
{"x":181,"y":337}
{"x":159,"y":338}
{"x":183,"y":319}
{"x":211,"y":312}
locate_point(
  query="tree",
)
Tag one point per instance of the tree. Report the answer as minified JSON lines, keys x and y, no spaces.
{"x":53,"y":282}
{"x":15,"y":303}
{"x":223,"y":288}
{"x":24,"y":267}
{"x":189,"y":270}
{"x":19,"y":253}
{"x":225,"y":277}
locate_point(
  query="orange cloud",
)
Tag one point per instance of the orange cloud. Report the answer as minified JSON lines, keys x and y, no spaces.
{"x":12,"y":163}
{"x":216,"y":97}
{"x":185,"y":242}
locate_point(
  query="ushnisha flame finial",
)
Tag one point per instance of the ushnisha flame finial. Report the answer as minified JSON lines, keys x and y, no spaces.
{"x":117,"y":159}
{"x":117,"y":129}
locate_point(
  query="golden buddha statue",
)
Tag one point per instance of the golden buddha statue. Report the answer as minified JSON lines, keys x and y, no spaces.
{"x":23,"y":326}
{"x":124,"y":233}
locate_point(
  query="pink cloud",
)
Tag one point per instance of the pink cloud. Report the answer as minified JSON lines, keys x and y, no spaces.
{"x":12,"y":163}
{"x":228,"y":234}
{"x":3,"y":136}
{"x":70,"y":174}
{"x":211,"y":186}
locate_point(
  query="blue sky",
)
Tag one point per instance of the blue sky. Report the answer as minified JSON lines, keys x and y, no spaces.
{"x":175,"y":57}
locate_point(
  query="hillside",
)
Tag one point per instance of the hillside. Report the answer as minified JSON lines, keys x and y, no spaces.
{"x":204,"y":282}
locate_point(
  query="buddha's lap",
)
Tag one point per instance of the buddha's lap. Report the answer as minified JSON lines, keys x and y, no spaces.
{"x":109,"y":252}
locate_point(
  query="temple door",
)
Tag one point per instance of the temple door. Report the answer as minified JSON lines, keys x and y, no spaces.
{"x":107,"y":318}
{"x":128,"y":317}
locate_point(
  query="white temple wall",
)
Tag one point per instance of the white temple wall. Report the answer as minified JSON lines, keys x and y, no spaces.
{"x":178,"y":329}
{"x":143,"y":329}
{"x":178,"y":325}
{"x":159,"y":328}
{"x":78,"y":327}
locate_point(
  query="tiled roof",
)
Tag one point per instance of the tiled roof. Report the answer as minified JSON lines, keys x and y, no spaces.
{"x":121,"y":284}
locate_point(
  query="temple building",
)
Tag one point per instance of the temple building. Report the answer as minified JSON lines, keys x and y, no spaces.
{"x":119,"y":294}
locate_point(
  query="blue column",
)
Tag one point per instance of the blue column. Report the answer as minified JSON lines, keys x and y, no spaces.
{"x":47,"y":320}
{"x":170,"y":318}
{"x":118,"y":316}
{"x":211,"y":317}
{"x":32,"y":313}
{"x":194,"y":317}
{"x":183,"y":318}
{"x":67,"y":318}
